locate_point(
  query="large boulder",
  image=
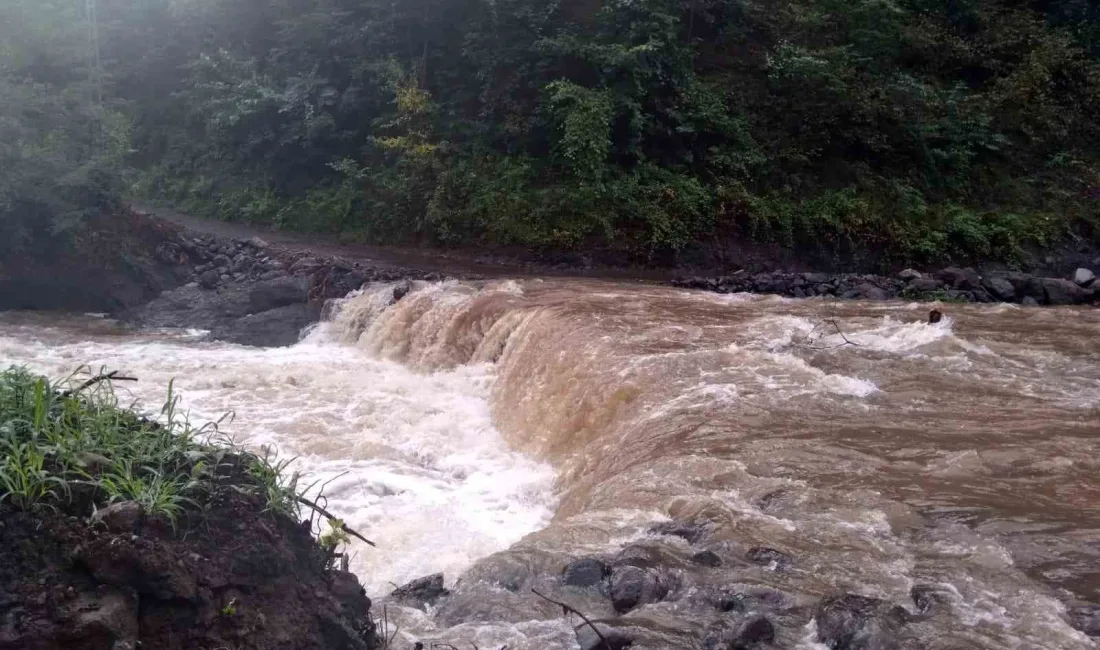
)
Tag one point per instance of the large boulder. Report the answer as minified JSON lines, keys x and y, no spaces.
{"x":271,"y":294}
{"x":422,"y":591}
{"x":852,"y":622}
{"x":1084,"y":277}
{"x":609,"y":638}
{"x":192,"y":306}
{"x":1064,"y":292}
{"x":633,"y":586}
{"x":585,"y":572}
{"x":280,"y":327}
{"x":962,"y":279}
{"x":925,"y":284}
{"x":1000,"y":288}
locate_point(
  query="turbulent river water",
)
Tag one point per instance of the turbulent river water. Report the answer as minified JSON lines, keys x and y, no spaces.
{"x":495,"y":431}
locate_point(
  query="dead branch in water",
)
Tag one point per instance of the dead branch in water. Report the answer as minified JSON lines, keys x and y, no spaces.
{"x":110,"y":376}
{"x":808,"y":341}
{"x":567,"y":609}
{"x":332,"y":518}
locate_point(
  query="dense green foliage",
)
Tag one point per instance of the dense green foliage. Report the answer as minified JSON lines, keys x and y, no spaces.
{"x":61,"y":148}
{"x":910,"y":130}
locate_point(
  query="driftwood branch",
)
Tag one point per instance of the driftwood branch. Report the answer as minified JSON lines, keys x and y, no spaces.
{"x":570,"y":609}
{"x":331,"y":517}
{"x":809,"y":342}
{"x":110,"y":376}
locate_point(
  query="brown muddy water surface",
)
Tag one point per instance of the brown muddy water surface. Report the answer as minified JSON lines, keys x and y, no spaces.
{"x":496,"y":431}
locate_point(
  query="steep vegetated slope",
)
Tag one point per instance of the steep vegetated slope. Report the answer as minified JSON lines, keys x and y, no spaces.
{"x":866,"y":132}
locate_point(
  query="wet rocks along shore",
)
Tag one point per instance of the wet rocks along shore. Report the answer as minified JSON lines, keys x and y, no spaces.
{"x":950,"y":284}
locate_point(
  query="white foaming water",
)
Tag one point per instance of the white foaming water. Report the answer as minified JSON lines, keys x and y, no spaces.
{"x":414,"y":460}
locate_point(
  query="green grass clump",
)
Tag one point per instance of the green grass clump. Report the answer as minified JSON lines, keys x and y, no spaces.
{"x":70,"y":446}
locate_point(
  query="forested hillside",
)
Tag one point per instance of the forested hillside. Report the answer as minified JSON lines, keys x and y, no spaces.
{"x":879,"y":131}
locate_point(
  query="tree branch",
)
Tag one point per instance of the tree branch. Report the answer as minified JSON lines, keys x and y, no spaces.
{"x":569,"y":609}
{"x":332,"y":517}
{"x":110,"y":376}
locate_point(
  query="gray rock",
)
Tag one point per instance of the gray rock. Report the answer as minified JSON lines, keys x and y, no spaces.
{"x":909,"y":275}
{"x":1086,"y":618}
{"x":257,"y":243}
{"x":401,"y":290}
{"x":222,"y":261}
{"x":869,"y":291}
{"x":1096,"y":263}
{"x":279,"y":327}
{"x":690,"y":531}
{"x":1064,"y":292}
{"x":1028,"y":301}
{"x":1084,"y":277}
{"x":422,"y":591}
{"x":1000,"y":288}
{"x":121,"y":517}
{"x":271,"y":294}
{"x":633,"y":586}
{"x":585,"y":572}
{"x":190,"y":306}
{"x":706,"y":558}
{"x":926,"y":285}
{"x":210,"y":279}
{"x":852,"y":622}
{"x":589,"y":640}
{"x":754,"y":633}
{"x":816,"y":278}
{"x":770,"y":557}
{"x":963,"y":279}
{"x":748,"y":634}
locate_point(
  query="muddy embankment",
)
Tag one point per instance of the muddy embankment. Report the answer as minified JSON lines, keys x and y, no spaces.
{"x":152,"y":272}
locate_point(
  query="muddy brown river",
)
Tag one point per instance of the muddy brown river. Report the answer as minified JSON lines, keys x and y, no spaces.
{"x":497,"y":431}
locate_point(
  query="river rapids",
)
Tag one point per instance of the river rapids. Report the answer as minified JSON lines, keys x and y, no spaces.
{"x":497,"y":431}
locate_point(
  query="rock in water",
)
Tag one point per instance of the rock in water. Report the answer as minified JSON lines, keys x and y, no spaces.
{"x":1000,"y":288}
{"x":852,"y":622}
{"x":869,"y":291}
{"x":765,"y":556}
{"x":632,"y":586}
{"x":1084,"y":277}
{"x":962,"y":279}
{"x":279,"y":327}
{"x":422,"y":591}
{"x":402,"y":290}
{"x":589,"y":640}
{"x":585,"y":572}
{"x":281,"y":292}
{"x":749,"y":634}
{"x":689,"y":531}
{"x":925,"y":285}
{"x":706,"y":558}
{"x":1064,"y":292}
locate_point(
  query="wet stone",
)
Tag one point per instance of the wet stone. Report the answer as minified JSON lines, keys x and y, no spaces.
{"x":770,"y":557}
{"x":585,"y":572}
{"x":706,"y":558}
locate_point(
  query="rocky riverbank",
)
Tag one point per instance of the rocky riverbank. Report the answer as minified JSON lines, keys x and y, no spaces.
{"x":950,"y":284}
{"x":253,"y":293}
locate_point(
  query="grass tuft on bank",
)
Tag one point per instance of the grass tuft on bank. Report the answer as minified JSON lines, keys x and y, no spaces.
{"x":71,"y":447}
